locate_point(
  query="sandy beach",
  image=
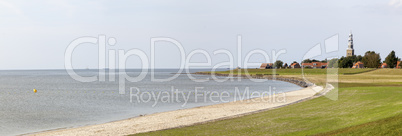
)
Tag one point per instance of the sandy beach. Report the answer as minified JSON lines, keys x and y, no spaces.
{"x":186,"y":117}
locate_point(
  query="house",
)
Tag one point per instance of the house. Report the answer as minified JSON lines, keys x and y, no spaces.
{"x":286,"y":65}
{"x":397,"y":64}
{"x":384,"y":65}
{"x":294,"y":65}
{"x":266,"y":66}
{"x":358,"y":65}
{"x":314,"y":65}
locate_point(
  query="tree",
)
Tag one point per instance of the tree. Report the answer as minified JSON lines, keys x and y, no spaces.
{"x":307,"y":61}
{"x":333,"y":63}
{"x":355,"y":58}
{"x":371,"y":59}
{"x":346,"y":62}
{"x":391,"y":60}
{"x":313,"y":60}
{"x":339,"y":62}
{"x":358,"y":58}
{"x":278,"y":64}
{"x":400,"y":65}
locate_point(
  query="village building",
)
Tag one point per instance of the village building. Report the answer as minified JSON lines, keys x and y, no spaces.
{"x":285,"y":65}
{"x":294,"y":65}
{"x":314,"y":65}
{"x":358,"y":65}
{"x":384,"y":65}
{"x":266,"y":66}
{"x":350,"y":51}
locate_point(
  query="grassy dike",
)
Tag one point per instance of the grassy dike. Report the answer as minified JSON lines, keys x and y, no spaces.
{"x":369,"y":103}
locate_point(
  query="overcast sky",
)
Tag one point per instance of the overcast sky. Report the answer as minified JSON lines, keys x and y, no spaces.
{"x":35,"y":34}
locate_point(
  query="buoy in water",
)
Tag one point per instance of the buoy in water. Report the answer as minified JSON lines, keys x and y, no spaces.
{"x":34,"y":90}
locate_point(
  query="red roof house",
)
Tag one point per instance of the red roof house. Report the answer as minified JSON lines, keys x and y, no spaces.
{"x":295,"y":65}
{"x":266,"y":65}
{"x":314,"y":65}
{"x":384,"y":65}
{"x":358,"y":65}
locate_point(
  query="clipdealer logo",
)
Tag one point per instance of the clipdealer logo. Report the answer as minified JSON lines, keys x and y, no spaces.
{"x":148,"y":62}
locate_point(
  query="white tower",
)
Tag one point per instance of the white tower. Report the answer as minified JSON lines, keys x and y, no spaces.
{"x":350,"y":51}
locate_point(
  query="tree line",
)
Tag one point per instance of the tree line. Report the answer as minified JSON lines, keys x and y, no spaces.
{"x":371,"y":59}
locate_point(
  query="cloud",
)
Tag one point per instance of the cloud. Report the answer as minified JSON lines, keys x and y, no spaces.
{"x":11,"y":7}
{"x":62,"y":5}
{"x":395,"y":3}
{"x":73,"y":8}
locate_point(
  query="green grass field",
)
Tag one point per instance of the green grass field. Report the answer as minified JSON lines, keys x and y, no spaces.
{"x":369,"y":103}
{"x":392,"y":124}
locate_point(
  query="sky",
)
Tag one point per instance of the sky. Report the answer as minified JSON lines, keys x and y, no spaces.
{"x":36,"y":34}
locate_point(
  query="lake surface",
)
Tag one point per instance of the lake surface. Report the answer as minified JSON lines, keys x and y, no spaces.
{"x":62,"y":102}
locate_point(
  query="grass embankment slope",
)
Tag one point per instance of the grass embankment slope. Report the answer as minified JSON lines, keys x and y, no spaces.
{"x":292,"y":71}
{"x":369,"y":103}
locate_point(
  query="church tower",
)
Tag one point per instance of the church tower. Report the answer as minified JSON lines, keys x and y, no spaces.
{"x":350,"y":51}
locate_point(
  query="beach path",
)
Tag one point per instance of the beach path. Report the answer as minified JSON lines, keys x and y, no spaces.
{"x":186,"y":117}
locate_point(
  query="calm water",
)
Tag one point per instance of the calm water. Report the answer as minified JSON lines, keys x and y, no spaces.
{"x":63,"y":102}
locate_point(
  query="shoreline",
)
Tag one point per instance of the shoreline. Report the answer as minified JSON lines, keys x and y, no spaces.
{"x":193,"y":116}
{"x":185,"y":117}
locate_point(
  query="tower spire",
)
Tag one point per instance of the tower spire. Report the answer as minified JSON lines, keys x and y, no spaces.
{"x":350,"y":51}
